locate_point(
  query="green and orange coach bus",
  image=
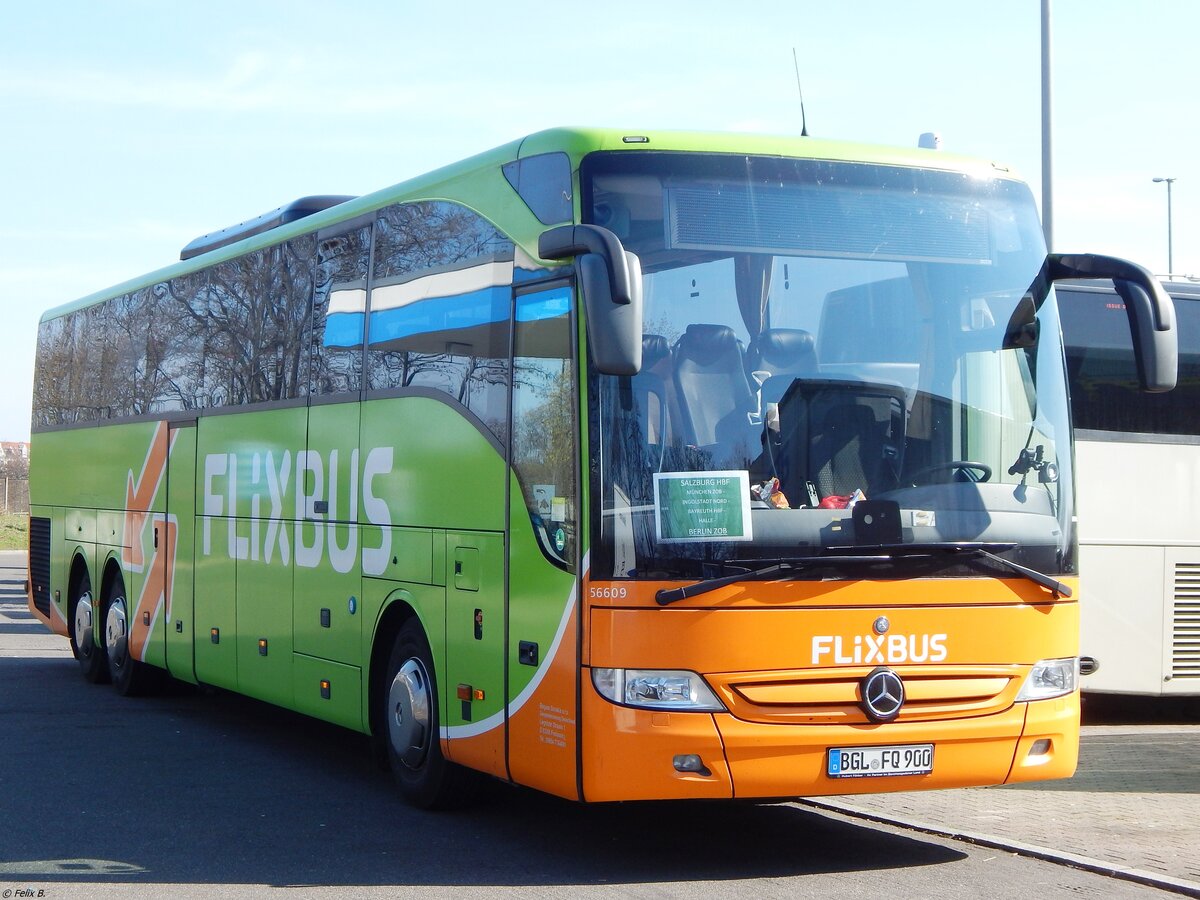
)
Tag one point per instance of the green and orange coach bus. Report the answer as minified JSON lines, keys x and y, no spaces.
{"x":617,"y":465}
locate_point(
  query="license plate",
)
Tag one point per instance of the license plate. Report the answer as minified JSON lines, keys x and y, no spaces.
{"x":873,"y":762}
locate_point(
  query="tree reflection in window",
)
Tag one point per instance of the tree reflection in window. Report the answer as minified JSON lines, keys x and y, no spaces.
{"x":544,"y":446}
{"x":228,"y":335}
{"x":440,"y":299}
{"x":250,"y":319}
{"x":339,"y":310}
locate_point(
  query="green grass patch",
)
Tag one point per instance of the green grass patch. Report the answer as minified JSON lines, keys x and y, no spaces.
{"x":14,"y":532}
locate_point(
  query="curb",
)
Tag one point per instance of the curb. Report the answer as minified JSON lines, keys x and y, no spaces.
{"x":1100,"y":867}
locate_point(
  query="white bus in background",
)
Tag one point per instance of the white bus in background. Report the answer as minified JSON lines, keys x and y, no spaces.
{"x":1138,"y":479}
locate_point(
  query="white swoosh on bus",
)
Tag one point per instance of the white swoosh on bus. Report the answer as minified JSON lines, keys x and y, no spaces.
{"x":496,"y":719}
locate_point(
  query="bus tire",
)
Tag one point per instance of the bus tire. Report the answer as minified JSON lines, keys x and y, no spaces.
{"x":83,"y":618}
{"x":131,"y":677}
{"x":410,"y":727}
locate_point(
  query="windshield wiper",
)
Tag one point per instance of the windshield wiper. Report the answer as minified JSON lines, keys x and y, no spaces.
{"x":987,"y":549}
{"x":1052,"y":584}
{"x":885,"y":553}
{"x":775,"y":569}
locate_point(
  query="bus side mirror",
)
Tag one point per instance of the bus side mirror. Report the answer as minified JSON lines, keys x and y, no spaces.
{"x":610,"y":279}
{"x":1149,"y":308}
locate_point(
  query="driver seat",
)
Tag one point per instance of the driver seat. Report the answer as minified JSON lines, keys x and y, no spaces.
{"x":856,"y":440}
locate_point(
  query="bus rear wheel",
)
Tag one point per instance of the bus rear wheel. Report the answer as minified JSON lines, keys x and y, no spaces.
{"x":92,"y":661}
{"x":410,"y":716}
{"x":130,"y":676}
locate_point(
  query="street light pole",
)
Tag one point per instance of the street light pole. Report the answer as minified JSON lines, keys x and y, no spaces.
{"x":1170,"y":243}
{"x":1047,"y":138}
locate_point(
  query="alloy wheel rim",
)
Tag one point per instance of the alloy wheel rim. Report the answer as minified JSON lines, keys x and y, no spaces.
{"x":409,"y":714}
{"x":116,"y":634}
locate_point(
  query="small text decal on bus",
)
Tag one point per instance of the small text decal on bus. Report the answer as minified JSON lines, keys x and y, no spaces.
{"x":869,"y":649}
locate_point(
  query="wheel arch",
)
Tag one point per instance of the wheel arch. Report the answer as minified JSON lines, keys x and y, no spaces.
{"x":111,"y":571}
{"x":399,"y":608}
{"x":78,"y":571}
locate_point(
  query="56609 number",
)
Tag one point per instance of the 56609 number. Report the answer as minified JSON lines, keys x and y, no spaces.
{"x":608,"y":593}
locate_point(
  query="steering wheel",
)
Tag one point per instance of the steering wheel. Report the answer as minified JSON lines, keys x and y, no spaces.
{"x":955,"y":465}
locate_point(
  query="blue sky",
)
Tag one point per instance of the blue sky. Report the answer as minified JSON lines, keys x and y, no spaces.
{"x":129,"y":127}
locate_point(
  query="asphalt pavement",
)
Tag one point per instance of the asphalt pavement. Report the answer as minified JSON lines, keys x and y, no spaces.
{"x":1131,"y":812}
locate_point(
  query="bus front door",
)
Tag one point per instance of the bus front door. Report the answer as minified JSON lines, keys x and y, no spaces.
{"x":178,"y":530}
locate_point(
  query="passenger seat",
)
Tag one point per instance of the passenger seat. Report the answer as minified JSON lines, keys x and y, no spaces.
{"x":714,"y":395}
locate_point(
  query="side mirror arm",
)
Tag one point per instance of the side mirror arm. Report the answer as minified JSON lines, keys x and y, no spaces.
{"x":577,"y":240}
{"x":1150,"y":310}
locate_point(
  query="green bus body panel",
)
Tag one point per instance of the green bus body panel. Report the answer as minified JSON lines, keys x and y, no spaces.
{"x":88,"y":469}
{"x":474,"y":626}
{"x":329,"y":586}
{"x":445,"y":473}
{"x":215,"y":609}
{"x":104,"y":490}
{"x":181,"y":505}
{"x":264,"y":630}
{"x":243,"y":555}
{"x":328,"y":690}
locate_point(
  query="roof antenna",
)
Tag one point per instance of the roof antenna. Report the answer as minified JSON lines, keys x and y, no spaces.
{"x":803,"y":118}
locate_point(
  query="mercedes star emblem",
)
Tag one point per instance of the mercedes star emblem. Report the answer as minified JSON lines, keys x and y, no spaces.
{"x":882,"y":695}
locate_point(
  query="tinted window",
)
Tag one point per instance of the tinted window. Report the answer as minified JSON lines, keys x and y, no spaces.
{"x":181,"y":340}
{"x":439,"y":306}
{"x":128,"y":364}
{"x":69,"y":382}
{"x":544,"y":183}
{"x":544,"y":445}
{"x":58,"y":389}
{"x":229,"y":335}
{"x":48,"y":388}
{"x":1103,"y":374}
{"x":339,"y":311}
{"x":233,"y":334}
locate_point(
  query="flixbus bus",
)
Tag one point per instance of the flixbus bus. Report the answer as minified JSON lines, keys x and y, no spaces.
{"x":620,"y":466}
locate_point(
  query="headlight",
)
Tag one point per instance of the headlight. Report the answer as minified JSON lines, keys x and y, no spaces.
{"x":1051,"y":678}
{"x":656,"y":689}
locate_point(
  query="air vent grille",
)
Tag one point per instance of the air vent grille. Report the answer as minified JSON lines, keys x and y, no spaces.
{"x":1185,"y":637}
{"x":39,"y":563}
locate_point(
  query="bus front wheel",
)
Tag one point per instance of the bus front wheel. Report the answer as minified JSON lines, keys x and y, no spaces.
{"x":425,"y":777}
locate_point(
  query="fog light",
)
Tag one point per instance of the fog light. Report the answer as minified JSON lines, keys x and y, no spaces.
{"x":1040,"y":747}
{"x":691,"y":762}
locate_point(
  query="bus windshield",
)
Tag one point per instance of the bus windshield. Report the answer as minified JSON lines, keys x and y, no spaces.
{"x":835,"y":356}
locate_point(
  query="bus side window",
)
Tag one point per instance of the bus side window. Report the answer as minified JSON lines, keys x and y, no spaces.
{"x":181,"y":342}
{"x":439,"y":307}
{"x":544,"y":439}
{"x":51,"y":394}
{"x":339,"y":312}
